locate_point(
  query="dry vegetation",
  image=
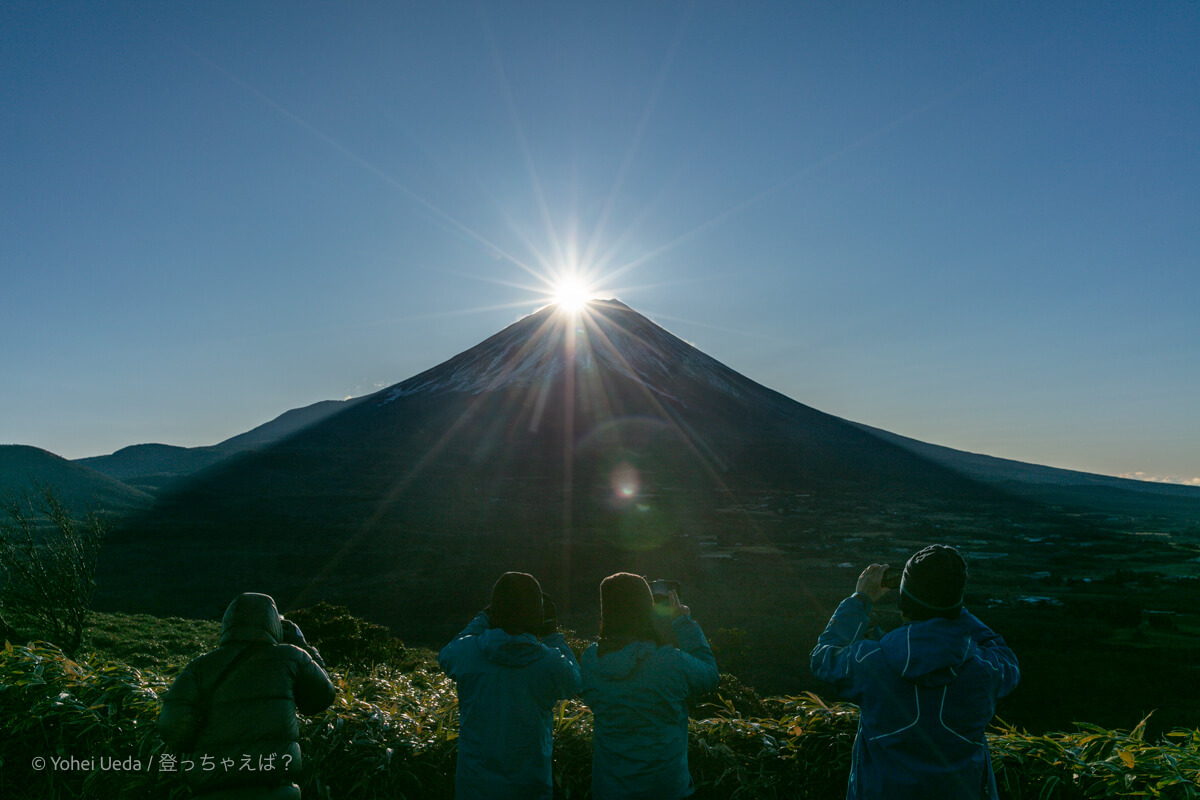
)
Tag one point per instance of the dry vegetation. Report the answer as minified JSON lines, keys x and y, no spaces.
{"x":392,"y":731}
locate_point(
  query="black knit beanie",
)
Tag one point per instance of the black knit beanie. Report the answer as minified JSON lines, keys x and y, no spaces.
{"x":516,"y":604}
{"x":933,"y":583}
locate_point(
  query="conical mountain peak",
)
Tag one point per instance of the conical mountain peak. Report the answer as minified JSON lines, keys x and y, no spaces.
{"x":566,"y":445}
{"x":606,"y":336}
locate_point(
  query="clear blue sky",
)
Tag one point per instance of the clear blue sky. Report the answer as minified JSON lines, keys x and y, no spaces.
{"x":974,"y":224}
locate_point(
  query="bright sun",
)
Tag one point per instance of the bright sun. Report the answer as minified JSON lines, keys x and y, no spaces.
{"x":571,"y":295}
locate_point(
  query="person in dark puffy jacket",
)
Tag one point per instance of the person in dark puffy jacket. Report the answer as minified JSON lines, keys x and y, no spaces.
{"x":512,"y":667}
{"x":234,"y":708}
{"x":926,"y":691}
{"x":638,"y":687}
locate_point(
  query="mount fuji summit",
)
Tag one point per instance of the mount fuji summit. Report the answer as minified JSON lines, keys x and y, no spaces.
{"x":570,"y":445}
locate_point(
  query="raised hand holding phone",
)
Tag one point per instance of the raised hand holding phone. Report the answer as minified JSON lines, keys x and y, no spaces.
{"x":870,"y":582}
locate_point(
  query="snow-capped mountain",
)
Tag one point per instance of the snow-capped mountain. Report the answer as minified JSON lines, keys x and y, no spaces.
{"x":568,"y":446}
{"x":601,"y":428}
{"x":610,"y":337}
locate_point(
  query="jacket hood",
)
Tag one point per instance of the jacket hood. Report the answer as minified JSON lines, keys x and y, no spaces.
{"x":621,"y":664}
{"x":931,"y":652}
{"x":501,"y":647}
{"x":251,"y":618}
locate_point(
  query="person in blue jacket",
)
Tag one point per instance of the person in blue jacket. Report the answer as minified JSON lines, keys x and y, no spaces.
{"x":512,"y":667}
{"x":638,"y":687}
{"x":926,"y":690}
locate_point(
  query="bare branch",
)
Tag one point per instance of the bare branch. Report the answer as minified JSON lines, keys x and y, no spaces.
{"x":47,"y":566}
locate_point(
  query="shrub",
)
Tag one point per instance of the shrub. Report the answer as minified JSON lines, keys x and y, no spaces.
{"x":731,"y":694}
{"x":345,"y":641}
{"x":731,"y":646}
{"x":389,"y":733}
{"x":1094,"y":762}
{"x":801,"y":751}
{"x":392,"y":733}
{"x":47,"y":568}
{"x":54,"y":707}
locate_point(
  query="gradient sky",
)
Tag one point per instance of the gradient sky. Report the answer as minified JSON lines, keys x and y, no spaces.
{"x":974,"y":224}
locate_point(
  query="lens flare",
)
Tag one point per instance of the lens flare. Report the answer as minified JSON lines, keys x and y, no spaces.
{"x":625,"y":483}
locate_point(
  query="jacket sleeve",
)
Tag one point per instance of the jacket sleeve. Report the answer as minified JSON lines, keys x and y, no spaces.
{"x":179,"y":720}
{"x":449,"y":656}
{"x":563,"y":668}
{"x":841,"y":649}
{"x":312,"y":690}
{"x":995,"y":654}
{"x":696,"y":658}
{"x":293,"y":635}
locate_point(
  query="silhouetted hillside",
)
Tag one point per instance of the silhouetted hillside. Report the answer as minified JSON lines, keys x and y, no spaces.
{"x":24,"y":469}
{"x":155,"y":466}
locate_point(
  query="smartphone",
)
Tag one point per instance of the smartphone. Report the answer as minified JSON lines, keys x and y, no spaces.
{"x":662,"y":589}
{"x":891,"y":578}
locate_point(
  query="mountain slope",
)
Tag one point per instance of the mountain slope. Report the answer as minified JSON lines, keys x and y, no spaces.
{"x":147,"y":460}
{"x":572,"y":448}
{"x":545,"y":400}
{"x":24,"y":469}
{"x":1064,"y":487}
{"x":566,"y":445}
{"x":286,"y":424}
{"x":995,"y":470}
{"x":156,"y":465}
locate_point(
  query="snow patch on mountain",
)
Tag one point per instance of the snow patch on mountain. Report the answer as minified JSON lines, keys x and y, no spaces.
{"x":507,"y":359}
{"x":541,"y":347}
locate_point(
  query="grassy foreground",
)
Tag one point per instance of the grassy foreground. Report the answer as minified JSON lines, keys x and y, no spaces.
{"x":392,"y":731}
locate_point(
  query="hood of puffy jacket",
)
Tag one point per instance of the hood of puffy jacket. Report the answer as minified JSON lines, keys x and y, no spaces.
{"x":501,"y":647}
{"x":622,"y":663}
{"x":930,"y":652}
{"x":251,"y":618}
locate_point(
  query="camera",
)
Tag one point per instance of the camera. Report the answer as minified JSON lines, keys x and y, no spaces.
{"x":661,"y":589}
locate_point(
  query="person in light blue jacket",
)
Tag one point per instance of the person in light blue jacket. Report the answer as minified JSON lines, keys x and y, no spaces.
{"x":509,"y":681}
{"x":638,"y":689}
{"x":926,"y":691}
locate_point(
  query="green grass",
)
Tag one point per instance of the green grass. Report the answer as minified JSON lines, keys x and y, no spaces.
{"x":143,"y":641}
{"x":393,"y":729}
